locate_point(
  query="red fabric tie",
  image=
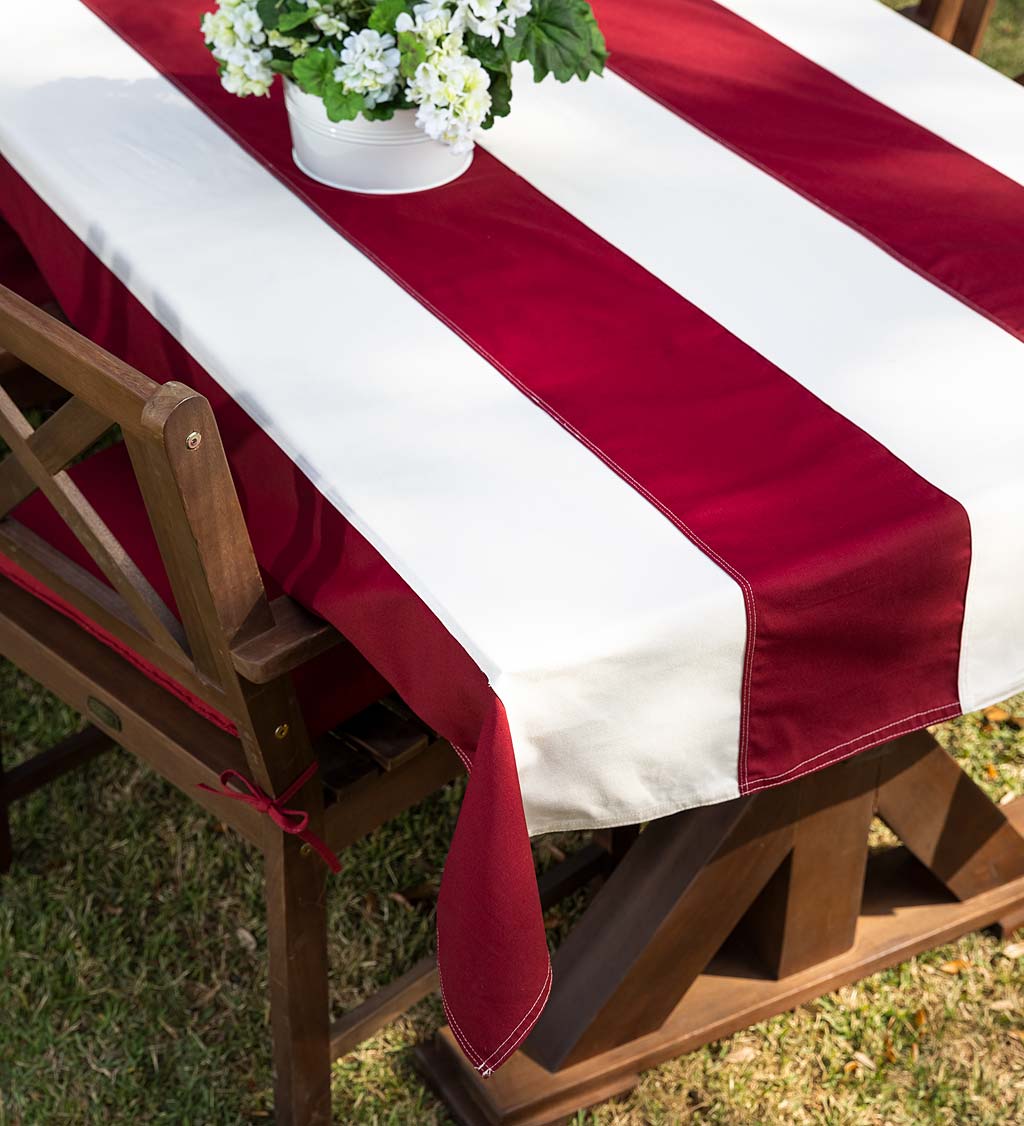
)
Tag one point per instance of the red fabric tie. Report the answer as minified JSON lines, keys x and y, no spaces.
{"x":293,"y":821}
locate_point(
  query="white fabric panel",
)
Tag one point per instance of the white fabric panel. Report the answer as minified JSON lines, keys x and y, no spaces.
{"x":907,"y":362}
{"x":902,"y":65}
{"x":615,"y":652}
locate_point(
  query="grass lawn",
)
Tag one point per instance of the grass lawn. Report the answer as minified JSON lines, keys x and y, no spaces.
{"x":132,"y":962}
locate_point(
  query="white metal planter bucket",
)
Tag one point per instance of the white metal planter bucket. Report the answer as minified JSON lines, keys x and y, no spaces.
{"x":378,"y":157}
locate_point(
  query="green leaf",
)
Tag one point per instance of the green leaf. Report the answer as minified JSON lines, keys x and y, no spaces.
{"x":501,"y":96}
{"x":558,"y":37}
{"x":291,"y":20}
{"x":414,"y":52}
{"x":269,"y":12}
{"x":342,"y":104}
{"x":384,"y":14}
{"x":383,"y":112}
{"x":480,"y":47}
{"x":282,"y":66}
{"x":315,"y":70}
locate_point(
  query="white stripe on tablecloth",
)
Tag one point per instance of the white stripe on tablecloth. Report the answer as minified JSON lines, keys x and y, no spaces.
{"x":615,"y":645}
{"x":910,"y":364}
{"x":907,"y":68}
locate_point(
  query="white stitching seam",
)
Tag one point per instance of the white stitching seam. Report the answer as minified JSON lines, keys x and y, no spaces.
{"x":804,"y":767}
{"x":486,"y":1065}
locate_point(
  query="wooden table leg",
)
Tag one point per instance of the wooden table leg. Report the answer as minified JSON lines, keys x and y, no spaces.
{"x":629,"y":992}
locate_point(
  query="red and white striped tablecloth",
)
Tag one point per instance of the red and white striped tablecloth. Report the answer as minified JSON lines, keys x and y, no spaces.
{"x":669,"y":454}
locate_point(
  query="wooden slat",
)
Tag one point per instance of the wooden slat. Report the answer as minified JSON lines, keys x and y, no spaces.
{"x":296,"y":637}
{"x":81,"y":367}
{"x":69,"y":753}
{"x":374,"y":799}
{"x":100,"y":604}
{"x":389,"y":738}
{"x":61,"y":438}
{"x":93,"y":534}
{"x":945,"y":820}
{"x":156,"y":726}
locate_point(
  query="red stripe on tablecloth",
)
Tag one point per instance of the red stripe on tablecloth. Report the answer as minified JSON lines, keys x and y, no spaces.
{"x":318,"y":558}
{"x":939,"y":210}
{"x":830,"y":536}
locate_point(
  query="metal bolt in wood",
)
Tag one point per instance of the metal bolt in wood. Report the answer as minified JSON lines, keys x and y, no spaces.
{"x":193,"y":440}
{"x":281,"y":731}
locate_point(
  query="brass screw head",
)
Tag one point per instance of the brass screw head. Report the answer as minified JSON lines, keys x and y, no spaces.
{"x":193,"y":440}
{"x":281,"y":731}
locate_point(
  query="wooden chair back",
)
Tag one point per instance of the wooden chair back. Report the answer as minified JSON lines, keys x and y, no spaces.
{"x":179,"y":463}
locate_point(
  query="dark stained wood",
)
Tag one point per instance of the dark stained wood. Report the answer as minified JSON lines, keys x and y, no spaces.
{"x":657,"y":922}
{"x":945,"y":819}
{"x":61,"y":438}
{"x":297,"y":636}
{"x":82,"y":368}
{"x":79,"y":515}
{"x":386,"y":1005}
{"x":801,"y":918}
{"x":905,"y":912}
{"x":390,"y":738}
{"x":101,"y":604}
{"x":69,"y":753}
{"x":376,"y":798}
{"x":297,"y":940}
{"x":157,"y":727}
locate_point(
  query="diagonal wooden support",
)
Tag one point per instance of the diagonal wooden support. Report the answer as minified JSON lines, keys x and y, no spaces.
{"x":675,"y":921}
{"x":626,"y":993}
{"x":945,"y":820}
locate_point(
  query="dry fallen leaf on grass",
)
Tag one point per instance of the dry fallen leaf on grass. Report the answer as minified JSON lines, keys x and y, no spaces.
{"x":1008,"y":797}
{"x":741,"y":1053}
{"x":890,"y":1051}
{"x":992,"y":771}
{"x":865,"y":1060}
{"x":920,"y":1018}
{"x":956,"y":966}
{"x":1016,"y":1034}
{"x":246,"y":938}
{"x":1013,"y":949}
{"x":996,"y":714}
{"x":851,"y":1067}
{"x":1006,"y":1005}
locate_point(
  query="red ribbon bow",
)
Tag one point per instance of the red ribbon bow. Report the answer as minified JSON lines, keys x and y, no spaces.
{"x":292,"y":821}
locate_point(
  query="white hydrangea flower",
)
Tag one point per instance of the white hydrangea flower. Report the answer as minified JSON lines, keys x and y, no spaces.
{"x":330,"y":25}
{"x":452,"y":91}
{"x":236,"y":37}
{"x":432,"y":19}
{"x":295,"y":47}
{"x":369,"y":66}
{"x":490,"y":18}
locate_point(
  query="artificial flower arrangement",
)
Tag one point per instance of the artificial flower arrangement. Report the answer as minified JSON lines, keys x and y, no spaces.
{"x":449,"y":60}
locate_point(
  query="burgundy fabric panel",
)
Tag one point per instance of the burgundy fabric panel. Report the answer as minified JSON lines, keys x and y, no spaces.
{"x":308,"y":548}
{"x":941,"y":211}
{"x":18,"y":271}
{"x":827,"y":533}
